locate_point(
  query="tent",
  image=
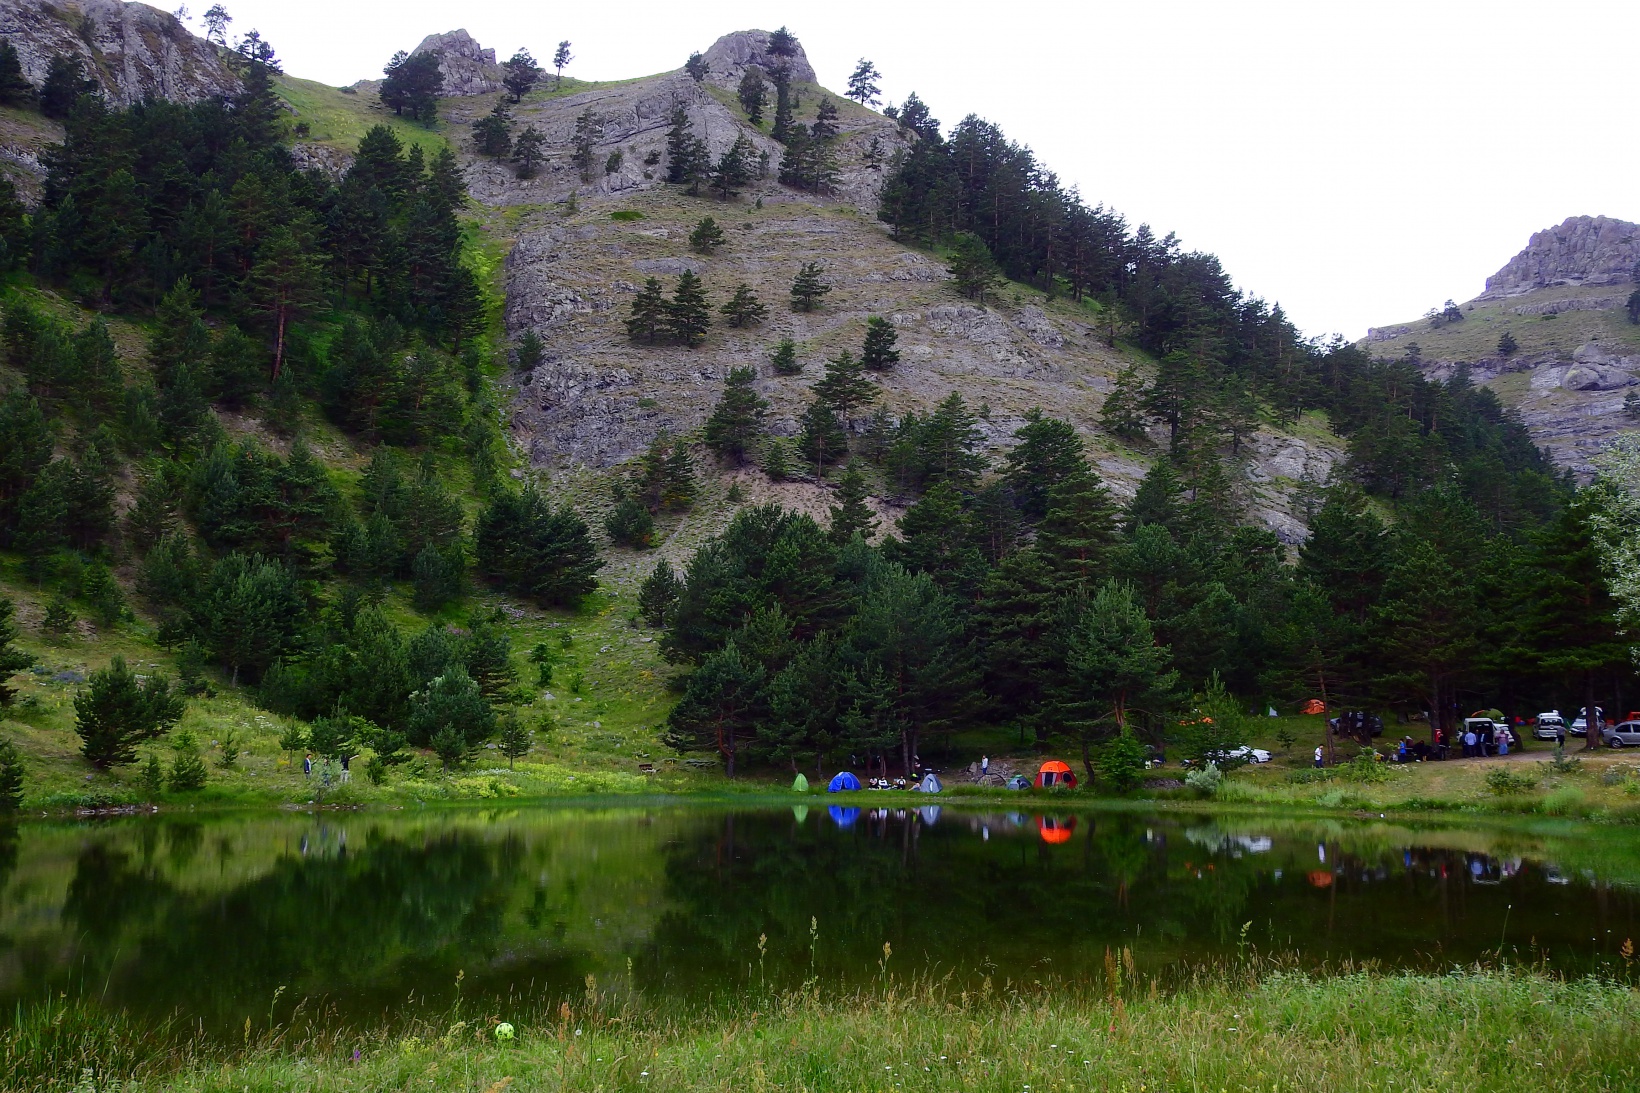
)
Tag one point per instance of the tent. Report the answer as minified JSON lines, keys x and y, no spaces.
{"x":843,"y":782}
{"x":1019,"y":781}
{"x":1055,"y":829}
{"x":1055,"y":773}
{"x":843,"y":817}
{"x":1313,"y":706}
{"x":800,"y":784}
{"x":930,"y":784}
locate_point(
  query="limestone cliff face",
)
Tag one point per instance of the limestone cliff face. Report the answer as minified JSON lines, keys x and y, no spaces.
{"x":134,"y":51}
{"x":732,"y":54}
{"x":1584,"y":250}
{"x":467,"y":67}
{"x":1562,"y":301}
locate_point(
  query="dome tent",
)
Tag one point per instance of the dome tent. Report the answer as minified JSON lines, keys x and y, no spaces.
{"x":1055,"y":772}
{"x":843,"y":782}
{"x":1019,"y":781}
{"x":930,"y":784}
{"x":800,"y":784}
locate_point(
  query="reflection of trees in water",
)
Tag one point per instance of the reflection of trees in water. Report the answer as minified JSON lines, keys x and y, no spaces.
{"x":363,"y":928}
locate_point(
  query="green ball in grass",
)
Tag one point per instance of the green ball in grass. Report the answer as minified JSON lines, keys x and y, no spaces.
{"x":504,"y":1031}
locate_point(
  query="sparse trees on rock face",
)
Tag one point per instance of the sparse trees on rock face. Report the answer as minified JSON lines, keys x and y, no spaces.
{"x":734,"y":169}
{"x":588,"y":128}
{"x":689,"y":315}
{"x":783,"y":43}
{"x":15,"y":90}
{"x":754,"y":93}
{"x":862,"y":86}
{"x":65,"y":82}
{"x":529,"y":151}
{"x":973,"y":271}
{"x":688,"y":162}
{"x":784,"y":358}
{"x":561,"y":58}
{"x":1507,"y":346}
{"x":648,"y":319}
{"x":697,"y":67}
{"x":845,"y":387}
{"x":521,"y":75}
{"x":216,"y":25}
{"x":745,"y":309}
{"x":809,"y":287}
{"x":1123,"y":412}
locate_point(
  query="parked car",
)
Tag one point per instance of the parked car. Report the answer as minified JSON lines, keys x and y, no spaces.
{"x":1580,"y":727}
{"x":1624,"y":734}
{"x":1550,"y":726}
{"x":1242,"y":754}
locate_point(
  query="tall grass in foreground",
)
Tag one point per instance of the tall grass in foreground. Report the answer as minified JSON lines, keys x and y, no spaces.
{"x":1257,"y":1026}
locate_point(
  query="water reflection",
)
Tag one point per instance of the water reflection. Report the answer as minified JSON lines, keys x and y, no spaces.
{"x":215,"y":918}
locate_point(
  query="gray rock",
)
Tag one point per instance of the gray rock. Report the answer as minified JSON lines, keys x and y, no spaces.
{"x":732,"y":54}
{"x":1584,"y":250}
{"x":1595,"y":377}
{"x":467,"y":67}
{"x":133,"y":51}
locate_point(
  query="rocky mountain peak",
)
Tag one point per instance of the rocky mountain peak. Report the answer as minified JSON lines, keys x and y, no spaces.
{"x":133,"y":51}
{"x":732,"y":54}
{"x":468,"y":68}
{"x":1584,"y":250}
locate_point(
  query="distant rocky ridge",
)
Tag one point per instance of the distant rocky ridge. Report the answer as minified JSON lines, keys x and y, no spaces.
{"x":467,"y":67}
{"x":134,"y":51}
{"x":1583,"y":250}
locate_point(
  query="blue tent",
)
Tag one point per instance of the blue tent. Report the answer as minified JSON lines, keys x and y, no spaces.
{"x":842,"y":782}
{"x":843,"y":817}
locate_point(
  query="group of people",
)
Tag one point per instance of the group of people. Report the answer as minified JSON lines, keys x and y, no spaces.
{"x":346,"y":774}
{"x":886,"y":783}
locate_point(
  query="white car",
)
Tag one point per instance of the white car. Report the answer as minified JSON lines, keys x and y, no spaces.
{"x":1550,"y":726}
{"x":1243,"y":754}
{"x":1580,"y":727}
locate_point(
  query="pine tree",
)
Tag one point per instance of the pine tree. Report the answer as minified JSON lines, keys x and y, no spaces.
{"x":825,"y":122}
{"x":15,"y":90}
{"x":1115,"y":665}
{"x":515,"y":739}
{"x":785,"y":105}
{"x":521,"y":75}
{"x":1507,"y":346}
{"x":116,"y":711}
{"x":286,"y":282}
{"x":689,"y":313}
{"x":844,"y":388}
{"x":784,"y":358}
{"x":492,"y":133}
{"x":878,"y":354}
{"x":65,"y":82}
{"x":588,"y":130}
{"x":720,"y":705}
{"x":1078,"y":529}
{"x":11,"y":777}
{"x":58,"y":620}
{"x":658,"y":594}
{"x":948,"y":444}
{"x":679,"y":491}
{"x":808,"y":287}
{"x":822,"y":440}
{"x":649,"y":313}
{"x":1047,"y":452}
{"x":529,"y":151}
{"x":12,"y":659}
{"x":737,"y":421}
{"x":561,"y":58}
{"x":707,"y":236}
{"x":862,"y":85}
{"x":973,"y":271}
{"x":753,"y":93}
{"x":413,"y":85}
{"x":630,"y":525}
{"x":697,"y":68}
{"x":1123,"y":412}
{"x":734,"y":169}
{"x":688,"y":163}
{"x":775,"y":462}
{"x":851,"y":514}
{"x":744,"y":308}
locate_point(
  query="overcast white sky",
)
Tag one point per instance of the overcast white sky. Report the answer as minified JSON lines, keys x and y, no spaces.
{"x":1357,"y":162}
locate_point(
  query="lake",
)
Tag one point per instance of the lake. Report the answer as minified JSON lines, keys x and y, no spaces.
{"x":222,"y":918}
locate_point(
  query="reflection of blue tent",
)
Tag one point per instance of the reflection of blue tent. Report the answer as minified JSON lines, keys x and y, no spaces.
{"x":930,"y":814}
{"x":844,"y":817}
{"x":930,"y":784}
{"x":843,"y":781}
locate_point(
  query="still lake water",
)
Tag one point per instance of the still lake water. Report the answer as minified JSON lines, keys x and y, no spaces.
{"x":370,"y":913}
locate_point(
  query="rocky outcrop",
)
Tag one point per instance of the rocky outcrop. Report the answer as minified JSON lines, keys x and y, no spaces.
{"x":467,"y":67}
{"x":732,"y":54}
{"x":135,"y":52}
{"x":1584,"y":250}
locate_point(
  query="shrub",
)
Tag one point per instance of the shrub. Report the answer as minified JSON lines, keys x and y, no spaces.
{"x":1205,"y":781}
{"x":187,"y":768}
{"x":626,"y":214}
{"x":1501,"y":781}
{"x":1564,"y":801}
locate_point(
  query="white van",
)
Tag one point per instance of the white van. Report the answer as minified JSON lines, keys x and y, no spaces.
{"x":1550,"y":726}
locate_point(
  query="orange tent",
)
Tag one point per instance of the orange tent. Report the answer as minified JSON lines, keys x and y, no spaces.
{"x":1055,"y":773}
{"x":1313,"y":706}
{"x":1056,"y":829}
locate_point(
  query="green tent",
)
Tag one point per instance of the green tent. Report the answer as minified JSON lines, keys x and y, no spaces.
{"x":800,"y":784}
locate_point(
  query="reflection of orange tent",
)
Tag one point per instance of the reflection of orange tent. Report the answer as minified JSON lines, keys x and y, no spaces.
{"x":1055,"y":773}
{"x":1056,"y":830}
{"x":1313,"y":706}
{"x":1321,"y":878}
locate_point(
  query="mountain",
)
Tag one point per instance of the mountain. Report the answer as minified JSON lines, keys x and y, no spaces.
{"x":133,"y":51}
{"x":1564,"y":301}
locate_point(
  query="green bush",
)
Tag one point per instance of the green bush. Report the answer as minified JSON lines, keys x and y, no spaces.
{"x":1207,"y":781}
{"x":1501,"y":781}
{"x":187,"y":768}
{"x":626,"y":214}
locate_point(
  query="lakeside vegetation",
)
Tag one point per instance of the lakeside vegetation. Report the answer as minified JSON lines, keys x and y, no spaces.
{"x":1247,"y":1026}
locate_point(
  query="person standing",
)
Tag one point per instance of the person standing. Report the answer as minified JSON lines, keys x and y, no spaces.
{"x":1503,"y":740}
{"x":1318,"y":763}
{"x":307,"y":765}
{"x":984,"y":766}
{"x":347,"y":775}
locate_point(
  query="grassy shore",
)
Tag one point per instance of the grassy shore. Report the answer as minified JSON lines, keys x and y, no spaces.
{"x":1251,"y":1027}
